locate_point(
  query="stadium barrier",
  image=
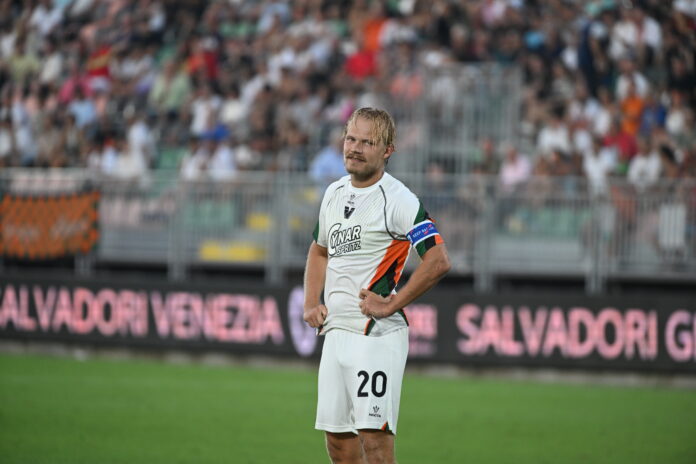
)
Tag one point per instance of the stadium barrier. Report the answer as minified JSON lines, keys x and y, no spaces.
{"x":648,"y":333}
{"x":543,"y":227}
{"x":48,"y":226}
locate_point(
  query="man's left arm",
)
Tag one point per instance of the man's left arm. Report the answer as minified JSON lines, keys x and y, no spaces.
{"x":433,"y":267}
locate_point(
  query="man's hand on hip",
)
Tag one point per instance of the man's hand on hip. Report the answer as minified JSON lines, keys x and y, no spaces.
{"x":374,"y":305}
{"x":315,"y":316}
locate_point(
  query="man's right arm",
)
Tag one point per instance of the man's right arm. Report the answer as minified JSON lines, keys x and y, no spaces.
{"x":315,"y":275}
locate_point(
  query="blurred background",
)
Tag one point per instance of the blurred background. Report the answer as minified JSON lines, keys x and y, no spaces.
{"x":550,"y":139}
{"x":162,"y":164}
{"x":190,"y":142}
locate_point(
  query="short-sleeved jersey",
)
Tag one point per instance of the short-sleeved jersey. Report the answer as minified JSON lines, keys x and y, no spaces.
{"x":368,"y":233}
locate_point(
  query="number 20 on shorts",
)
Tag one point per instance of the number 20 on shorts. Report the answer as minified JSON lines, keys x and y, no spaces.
{"x":378,"y":384}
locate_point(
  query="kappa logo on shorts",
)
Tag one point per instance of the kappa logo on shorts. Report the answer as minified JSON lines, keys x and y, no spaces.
{"x":375,"y":412}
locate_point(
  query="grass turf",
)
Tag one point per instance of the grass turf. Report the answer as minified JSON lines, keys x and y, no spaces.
{"x":56,"y":410}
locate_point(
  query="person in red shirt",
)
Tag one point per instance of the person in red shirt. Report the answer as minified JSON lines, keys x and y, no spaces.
{"x":623,"y":142}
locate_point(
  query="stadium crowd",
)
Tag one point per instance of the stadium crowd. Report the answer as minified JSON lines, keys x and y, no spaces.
{"x":215,"y":87}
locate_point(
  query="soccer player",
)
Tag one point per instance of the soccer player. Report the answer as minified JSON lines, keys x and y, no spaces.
{"x":368,"y":222}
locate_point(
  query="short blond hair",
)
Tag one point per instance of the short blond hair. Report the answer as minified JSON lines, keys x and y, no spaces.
{"x":384,"y":129}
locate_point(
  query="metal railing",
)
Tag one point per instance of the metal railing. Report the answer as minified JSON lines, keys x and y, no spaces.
{"x":459,"y":107}
{"x":546,"y":226}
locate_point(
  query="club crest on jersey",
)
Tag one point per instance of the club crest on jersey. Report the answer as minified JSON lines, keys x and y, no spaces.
{"x":350,"y":207}
{"x":342,"y":241}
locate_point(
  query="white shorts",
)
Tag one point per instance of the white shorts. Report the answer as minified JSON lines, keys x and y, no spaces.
{"x":360,"y":381}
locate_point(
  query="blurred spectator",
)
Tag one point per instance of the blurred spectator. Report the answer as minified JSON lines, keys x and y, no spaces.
{"x":644,"y":169}
{"x":53,"y":64}
{"x":629,"y":76}
{"x":133,"y":72}
{"x":653,"y":116}
{"x":327,"y":166}
{"x":486,"y":158}
{"x":582,"y":105}
{"x":50,"y":150}
{"x":74,"y":139}
{"x":170,"y":89}
{"x":77,"y":80}
{"x":83,"y":109}
{"x":276,"y":75}
{"x":515,"y":168}
{"x":45,"y":17}
{"x":140,"y":137}
{"x":7,"y":143}
{"x":110,"y":156}
{"x":669,"y":163}
{"x":553,"y":134}
{"x":688,"y":165}
{"x":597,"y":167}
{"x":635,"y":35}
{"x":605,"y":113}
{"x":292,"y":153}
{"x":23,"y":63}
{"x":194,"y":163}
{"x":676,"y":120}
{"x":204,"y":110}
{"x":233,"y":111}
{"x":222,"y":165}
{"x":623,"y":142}
{"x":131,"y":164}
{"x":686,"y":137}
{"x":631,"y":109}
{"x":680,"y":78}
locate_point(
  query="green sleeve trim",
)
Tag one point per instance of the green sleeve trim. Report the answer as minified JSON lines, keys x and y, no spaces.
{"x":315,"y":234}
{"x":425,"y":245}
{"x":422,"y":214}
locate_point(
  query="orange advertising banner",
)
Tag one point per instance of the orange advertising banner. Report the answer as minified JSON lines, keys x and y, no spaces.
{"x":48,"y":226}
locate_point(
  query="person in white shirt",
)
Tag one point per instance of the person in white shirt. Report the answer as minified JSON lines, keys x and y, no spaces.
{"x":597,"y":167}
{"x":645,"y":168}
{"x":553,"y":136}
{"x":140,"y":137}
{"x":222,"y":165}
{"x":637,"y":34}
{"x":630,"y":74}
{"x":583,"y":105}
{"x":204,"y":109}
{"x":131,"y":164}
{"x":194,"y":163}
{"x":601,"y":123}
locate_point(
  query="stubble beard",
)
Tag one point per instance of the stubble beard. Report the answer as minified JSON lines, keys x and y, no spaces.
{"x":361,"y":175}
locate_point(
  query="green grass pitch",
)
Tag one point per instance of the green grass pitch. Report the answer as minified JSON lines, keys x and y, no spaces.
{"x":58,"y":410}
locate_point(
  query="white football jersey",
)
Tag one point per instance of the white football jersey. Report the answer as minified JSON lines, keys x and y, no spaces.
{"x":368,"y":233}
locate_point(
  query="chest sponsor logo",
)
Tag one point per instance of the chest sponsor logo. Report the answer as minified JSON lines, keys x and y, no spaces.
{"x":342,"y":241}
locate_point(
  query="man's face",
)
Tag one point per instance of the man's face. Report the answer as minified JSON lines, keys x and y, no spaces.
{"x":363,"y":155}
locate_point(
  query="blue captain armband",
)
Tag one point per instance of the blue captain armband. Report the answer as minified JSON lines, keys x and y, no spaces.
{"x":422,"y":231}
